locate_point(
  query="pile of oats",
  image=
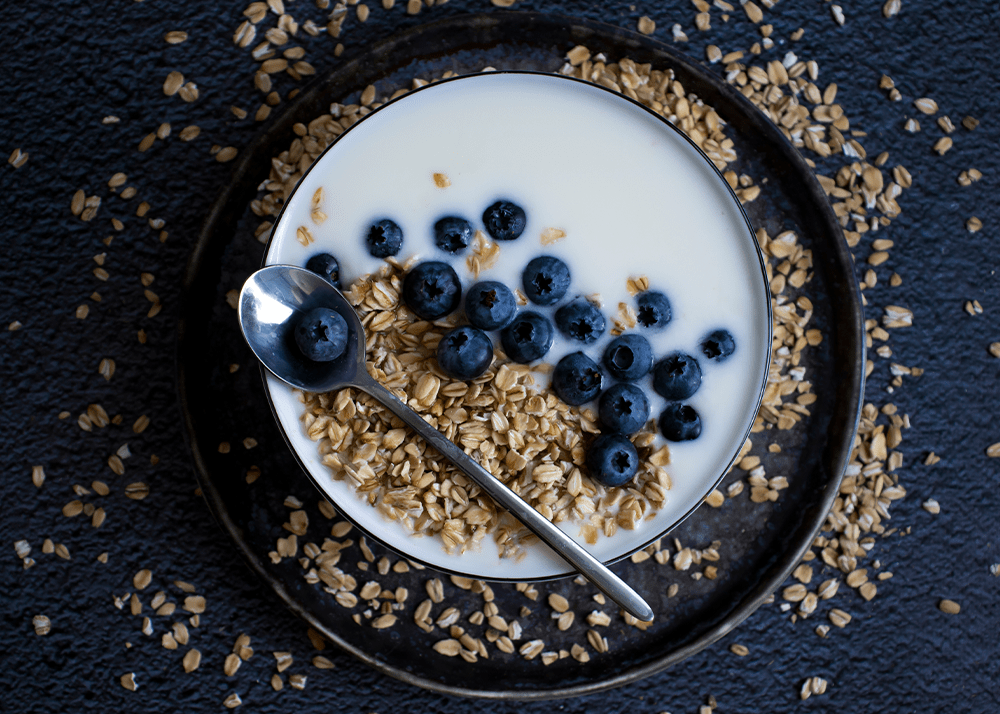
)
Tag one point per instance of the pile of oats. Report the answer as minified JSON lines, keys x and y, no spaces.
{"x":524,"y":435}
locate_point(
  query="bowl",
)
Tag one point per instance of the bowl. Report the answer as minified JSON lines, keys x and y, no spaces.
{"x":609,"y":187}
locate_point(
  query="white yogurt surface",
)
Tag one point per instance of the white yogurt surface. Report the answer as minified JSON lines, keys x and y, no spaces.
{"x":634,"y":198}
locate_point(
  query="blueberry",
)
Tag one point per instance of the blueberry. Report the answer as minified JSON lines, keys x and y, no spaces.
{"x":490,"y":305}
{"x":623,"y":408}
{"x":545,"y":280}
{"x":680,"y":422}
{"x":452,"y":234}
{"x":577,"y":379}
{"x":718,"y":345}
{"x":527,"y":338}
{"x":465,"y":352}
{"x":321,"y":334}
{"x":432,"y":290}
{"x":676,"y":376}
{"x":384,"y":238}
{"x":326,"y":265}
{"x":628,"y":357}
{"x":654,"y":310}
{"x":612,"y":460}
{"x":580,"y":320}
{"x":504,"y":220}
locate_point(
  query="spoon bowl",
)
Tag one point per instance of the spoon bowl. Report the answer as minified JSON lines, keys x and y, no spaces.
{"x":270,"y":303}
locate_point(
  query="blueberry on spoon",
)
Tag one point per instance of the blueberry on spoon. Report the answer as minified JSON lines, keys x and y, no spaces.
{"x":321,"y":334}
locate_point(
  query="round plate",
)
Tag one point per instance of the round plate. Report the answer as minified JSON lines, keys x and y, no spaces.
{"x":761,"y":543}
{"x":675,"y":175}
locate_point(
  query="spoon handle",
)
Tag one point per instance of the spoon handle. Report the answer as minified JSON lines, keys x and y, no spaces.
{"x":591,"y":568}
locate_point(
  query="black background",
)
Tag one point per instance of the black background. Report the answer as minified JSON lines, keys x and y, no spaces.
{"x":68,"y":64}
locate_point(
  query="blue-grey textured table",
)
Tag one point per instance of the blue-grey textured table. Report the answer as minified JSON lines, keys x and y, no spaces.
{"x":68,"y":64}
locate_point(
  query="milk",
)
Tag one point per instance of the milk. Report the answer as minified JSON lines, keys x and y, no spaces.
{"x":634,"y":198}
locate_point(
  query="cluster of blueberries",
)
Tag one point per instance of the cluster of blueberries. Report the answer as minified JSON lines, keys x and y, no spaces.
{"x":432,"y":290}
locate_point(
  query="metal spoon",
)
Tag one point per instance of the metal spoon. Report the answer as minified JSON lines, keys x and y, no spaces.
{"x":269,"y":302}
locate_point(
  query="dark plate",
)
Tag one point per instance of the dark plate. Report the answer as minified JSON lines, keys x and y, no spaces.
{"x":762,"y":543}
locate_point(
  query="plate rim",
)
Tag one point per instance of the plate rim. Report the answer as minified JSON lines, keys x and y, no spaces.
{"x":851,"y":387}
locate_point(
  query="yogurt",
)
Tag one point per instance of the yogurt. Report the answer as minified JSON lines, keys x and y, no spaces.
{"x":633,"y":197}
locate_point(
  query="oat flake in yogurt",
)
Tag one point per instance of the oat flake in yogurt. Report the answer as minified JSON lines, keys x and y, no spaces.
{"x":609,"y":188}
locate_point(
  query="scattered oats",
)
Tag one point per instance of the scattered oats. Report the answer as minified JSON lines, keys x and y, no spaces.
{"x":739,"y":650}
{"x":189,"y":133}
{"x":448,"y":648}
{"x":715,"y":499}
{"x":137,"y":491}
{"x":912,"y":126}
{"x":297,"y":681}
{"x":232,"y":664}
{"x":18,"y":158}
{"x":942,"y":145}
{"x":194,"y":604}
{"x":173,"y":83}
{"x":551,"y":235}
{"x":646,"y":25}
{"x":558,"y":603}
{"x":896,"y":316}
{"x":678,"y":33}
{"x":191,"y":660}
{"x":320,"y":662}
{"x":931,"y":506}
{"x":578,"y":55}
{"x":73,"y":508}
{"x":973,"y":225}
{"x":813,"y":685}
{"x":926,"y":105}
{"x":993,"y":450}
{"x":970,"y":123}
{"x":304,"y":235}
{"x":189,"y":92}
{"x":232,"y":701}
{"x":839,"y":618}
{"x":949,"y":607}
{"x":37,"y":476}
{"x":42,"y":625}
{"x":142,"y":579}
{"x":128,"y":681}
{"x":226,"y":154}
{"x":283,"y":660}
{"x":106,"y":368}
{"x":891,"y":8}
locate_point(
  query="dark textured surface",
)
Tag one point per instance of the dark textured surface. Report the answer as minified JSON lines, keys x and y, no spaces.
{"x":72,"y":63}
